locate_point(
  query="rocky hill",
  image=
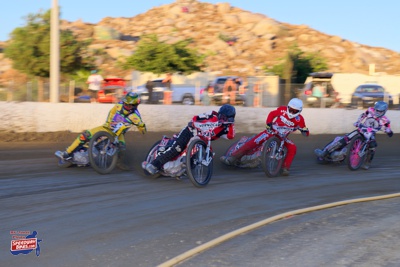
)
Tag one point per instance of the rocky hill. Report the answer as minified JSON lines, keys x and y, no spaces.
{"x":235,"y":41}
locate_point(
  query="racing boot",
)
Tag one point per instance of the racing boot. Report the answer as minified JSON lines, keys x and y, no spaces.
{"x":63,"y":155}
{"x":285,"y":172}
{"x":368,"y":160}
{"x":320,"y":153}
{"x":228,"y":160}
{"x":121,"y":161}
{"x":150,"y":168}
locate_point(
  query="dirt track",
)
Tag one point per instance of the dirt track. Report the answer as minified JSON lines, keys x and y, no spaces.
{"x":125,"y":218}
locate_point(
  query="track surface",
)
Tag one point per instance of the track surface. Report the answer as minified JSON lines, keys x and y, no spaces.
{"x":127,"y":219}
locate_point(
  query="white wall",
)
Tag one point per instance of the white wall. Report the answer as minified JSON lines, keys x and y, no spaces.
{"x":53,"y":117}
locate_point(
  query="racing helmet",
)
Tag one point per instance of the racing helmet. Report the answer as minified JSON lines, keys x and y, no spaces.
{"x":227,"y":113}
{"x":294,"y":107}
{"x":131,"y":101}
{"x":380,"y":108}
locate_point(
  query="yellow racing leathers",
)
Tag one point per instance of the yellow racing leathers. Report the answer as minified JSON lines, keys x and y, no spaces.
{"x":119,"y":120}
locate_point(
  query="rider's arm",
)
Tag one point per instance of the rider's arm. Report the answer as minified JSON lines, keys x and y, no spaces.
{"x":137,"y":121}
{"x":386,"y":123}
{"x":226,"y":131}
{"x":111,"y":115}
{"x":302,"y":126}
{"x":230,"y":131}
{"x":272,"y":115}
{"x":360,"y":118}
{"x":205,"y":116}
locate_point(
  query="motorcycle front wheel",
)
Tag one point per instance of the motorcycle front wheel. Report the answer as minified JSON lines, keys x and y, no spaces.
{"x":354,"y":161}
{"x":103,"y":154}
{"x":151,"y":155}
{"x":271,"y":160}
{"x":198,"y":172}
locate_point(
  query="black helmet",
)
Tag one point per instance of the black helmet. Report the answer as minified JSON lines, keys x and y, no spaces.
{"x":227,"y":113}
{"x":380,"y":108}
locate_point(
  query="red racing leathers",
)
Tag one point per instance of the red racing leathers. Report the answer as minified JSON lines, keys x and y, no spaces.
{"x":278,"y":117}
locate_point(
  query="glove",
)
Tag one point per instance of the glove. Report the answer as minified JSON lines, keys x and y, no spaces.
{"x":304,"y":131}
{"x":390,"y":134}
{"x":356,"y":124}
{"x":268,"y":126}
{"x":142,"y":128}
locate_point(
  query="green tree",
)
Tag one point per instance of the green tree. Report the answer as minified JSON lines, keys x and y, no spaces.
{"x":29,"y":49}
{"x":301,"y":63}
{"x":159,"y":57}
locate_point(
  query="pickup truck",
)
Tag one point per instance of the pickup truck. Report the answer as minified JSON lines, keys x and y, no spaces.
{"x":181,"y":93}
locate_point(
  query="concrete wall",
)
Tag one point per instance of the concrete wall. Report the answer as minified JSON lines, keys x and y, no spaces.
{"x":53,"y":117}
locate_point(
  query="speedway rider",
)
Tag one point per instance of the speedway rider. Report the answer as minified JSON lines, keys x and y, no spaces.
{"x":224,"y":118}
{"x":288,"y":116}
{"x":125,"y":111}
{"x":373,"y":117}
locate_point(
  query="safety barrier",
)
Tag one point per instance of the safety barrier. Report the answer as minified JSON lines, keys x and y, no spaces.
{"x":75,"y":117}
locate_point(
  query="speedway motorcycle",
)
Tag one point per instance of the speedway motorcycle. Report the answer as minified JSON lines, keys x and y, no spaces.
{"x":101,"y":152}
{"x":270,"y":155}
{"x":194,"y":162}
{"x":356,"y":150}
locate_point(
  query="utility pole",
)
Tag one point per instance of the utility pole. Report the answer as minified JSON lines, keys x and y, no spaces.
{"x":55,"y":53}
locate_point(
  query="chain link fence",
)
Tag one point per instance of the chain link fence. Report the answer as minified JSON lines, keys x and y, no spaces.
{"x":30,"y":91}
{"x":259,"y":91}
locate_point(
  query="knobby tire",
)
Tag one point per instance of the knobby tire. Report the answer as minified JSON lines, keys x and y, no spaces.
{"x":151,"y":155}
{"x":100,"y":147}
{"x":354,"y":161}
{"x":198,"y":173}
{"x":270,"y":164}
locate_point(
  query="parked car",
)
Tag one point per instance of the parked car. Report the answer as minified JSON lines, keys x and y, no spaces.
{"x":321,"y":81}
{"x":217,"y":95}
{"x":310,"y":99}
{"x":112,"y":90}
{"x":365,"y":95}
{"x":181,"y":93}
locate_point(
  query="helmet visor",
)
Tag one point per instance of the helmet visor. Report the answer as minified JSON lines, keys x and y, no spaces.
{"x":379,"y":113}
{"x":130,"y":106}
{"x":293,"y":111}
{"x":224,"y":118}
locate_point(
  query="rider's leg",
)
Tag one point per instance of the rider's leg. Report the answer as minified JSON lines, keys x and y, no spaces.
{"x":249,"y":145}
{"x":121,"y":164}
{"x":291,"y":152}
{"x":177,"y":147}
{"x":80,"y":140}
{"x":371,"y":154}
{"x":337,"y":144}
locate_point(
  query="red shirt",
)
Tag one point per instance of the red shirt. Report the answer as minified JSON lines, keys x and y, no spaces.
{"x":205,"y":121}
{"x":279,"y":117}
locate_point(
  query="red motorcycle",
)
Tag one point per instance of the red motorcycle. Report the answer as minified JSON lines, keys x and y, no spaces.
{"x":195,"y":161}
{"x":269,"y":154}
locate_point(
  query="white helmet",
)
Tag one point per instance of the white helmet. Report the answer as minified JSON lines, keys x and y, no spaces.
{"x":294,"y":107}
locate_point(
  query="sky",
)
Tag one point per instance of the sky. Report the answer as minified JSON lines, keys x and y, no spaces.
{"x":367,"y":22}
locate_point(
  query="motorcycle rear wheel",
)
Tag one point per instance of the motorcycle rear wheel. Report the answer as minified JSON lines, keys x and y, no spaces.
{"x":354,"y":161}
{"x":150,"y":157}
{"x":269,"y":161}
{"x":103,"y":154}
{"x":198,"y":173}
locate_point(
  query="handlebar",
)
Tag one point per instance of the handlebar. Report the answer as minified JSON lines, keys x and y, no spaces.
{"x":364,"y":128}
